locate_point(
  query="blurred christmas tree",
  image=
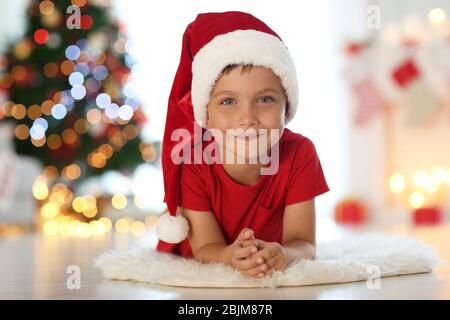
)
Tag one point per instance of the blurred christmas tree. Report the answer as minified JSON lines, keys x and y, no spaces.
{"x":67,"y":81}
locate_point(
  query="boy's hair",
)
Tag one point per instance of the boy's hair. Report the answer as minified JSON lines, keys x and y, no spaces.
{"x":231,"y":67}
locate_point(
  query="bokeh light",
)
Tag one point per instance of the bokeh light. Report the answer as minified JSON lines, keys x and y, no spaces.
{"x":103,"y":100}
{"x":125,"y":112}
{"x":54,"y":142}
{"x":59,"y":111}
{"x":41,"y":36}
{"x":37,"y":132}
{"x":34,"y":112}
{"x":50,"y":210}
{"x":18,"y":73}
{"x":21,"y":132}
{"x":46,"y":7}
{"x":119,"y":201}
{"x":82,"y":68}
{"x":51,"y":227}
{"x":18,"y":111}
{"x":78,"y":92}
{"x":100,"y":72}
{"x":397,"y":183}
{"x":138,"y":228}
{"x":40,"y":190}
{"x":72,"y":52}
{"x":67,"y":67}
{"x":42,"y":122}
{"x":76,"y":79}
{"x":436,"y":16}
{"x":416,"y":199}
{"x":122,"y":225}
{"x":79,"y":204}
{"x":94,"y":116}
{"x":69,"y":136}
{"x":112,"y":111}
{"x":81,"y":126}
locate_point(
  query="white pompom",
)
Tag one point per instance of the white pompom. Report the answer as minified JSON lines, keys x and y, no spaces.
{"x":172,"y":229}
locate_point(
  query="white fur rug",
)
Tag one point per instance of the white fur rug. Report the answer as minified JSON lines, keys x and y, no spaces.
{"x":355,"y":258}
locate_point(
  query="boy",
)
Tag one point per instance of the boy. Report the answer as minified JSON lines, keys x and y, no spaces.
{"x":243,"y":91}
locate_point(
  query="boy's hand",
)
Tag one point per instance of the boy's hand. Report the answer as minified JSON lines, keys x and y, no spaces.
{"x":273,"y":253}
{"x":241,"y":258}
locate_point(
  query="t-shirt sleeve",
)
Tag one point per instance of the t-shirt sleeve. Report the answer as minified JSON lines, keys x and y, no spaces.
{"x":193,"y":193}
{"x":306,"y":179}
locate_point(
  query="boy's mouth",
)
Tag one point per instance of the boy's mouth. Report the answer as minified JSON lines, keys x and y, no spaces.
{"x":249,"y":137}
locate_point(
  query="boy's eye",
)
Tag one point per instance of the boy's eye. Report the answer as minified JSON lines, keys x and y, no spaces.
{"x":227,"y":101}
{"x":266,"y":99}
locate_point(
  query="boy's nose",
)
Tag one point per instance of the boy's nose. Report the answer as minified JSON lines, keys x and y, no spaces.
{"x":247,"y":116}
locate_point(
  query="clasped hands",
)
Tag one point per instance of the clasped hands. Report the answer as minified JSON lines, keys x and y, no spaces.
{"x":255,"y":257}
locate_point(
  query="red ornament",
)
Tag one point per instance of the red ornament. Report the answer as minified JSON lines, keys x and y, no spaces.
{"x":41,"y":36}
{"x":405,"y":73}
{"x":427,"y":215}
{"x":354,"y":48}
{"x":86,"y":22}
{"x":350,"y":211}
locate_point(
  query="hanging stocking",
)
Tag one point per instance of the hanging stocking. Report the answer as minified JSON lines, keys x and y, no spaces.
{"x":416,"y":94}
{"x":369,"y":101}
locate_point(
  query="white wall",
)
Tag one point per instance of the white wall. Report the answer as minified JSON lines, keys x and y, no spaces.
{"x":12,"y":20}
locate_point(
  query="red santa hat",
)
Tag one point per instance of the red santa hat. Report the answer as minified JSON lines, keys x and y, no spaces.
{"x":210,"y":43}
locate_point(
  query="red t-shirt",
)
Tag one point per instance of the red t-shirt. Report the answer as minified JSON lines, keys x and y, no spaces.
{"x":261,"y":206}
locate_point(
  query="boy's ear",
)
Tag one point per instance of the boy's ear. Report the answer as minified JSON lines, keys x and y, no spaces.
{"x":207,"y":117}
{"x":286,"y":113}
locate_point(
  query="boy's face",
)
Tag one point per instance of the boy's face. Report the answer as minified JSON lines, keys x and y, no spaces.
{"x":254,"y":99}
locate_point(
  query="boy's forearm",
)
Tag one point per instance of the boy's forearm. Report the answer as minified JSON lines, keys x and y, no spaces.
{"x":213,"y":252}
{"x":299,"y":249}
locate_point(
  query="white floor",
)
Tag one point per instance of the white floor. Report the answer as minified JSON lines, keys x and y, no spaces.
{"x":34,"y":266}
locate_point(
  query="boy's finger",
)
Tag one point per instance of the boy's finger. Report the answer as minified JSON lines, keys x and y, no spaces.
{"x":245,"y":234}
{"x":272,"y":262}
{"x":245,"y":252}
{"x":248,"y":243}
{"x":274,"y":249}
{"x":260,"y":243}
{"x":264,"y":253}
{"x":256,"y":271}
{"x":249,"y":263}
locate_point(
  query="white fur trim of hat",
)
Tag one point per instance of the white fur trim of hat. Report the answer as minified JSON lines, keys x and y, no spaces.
{"x":241,"y":47}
